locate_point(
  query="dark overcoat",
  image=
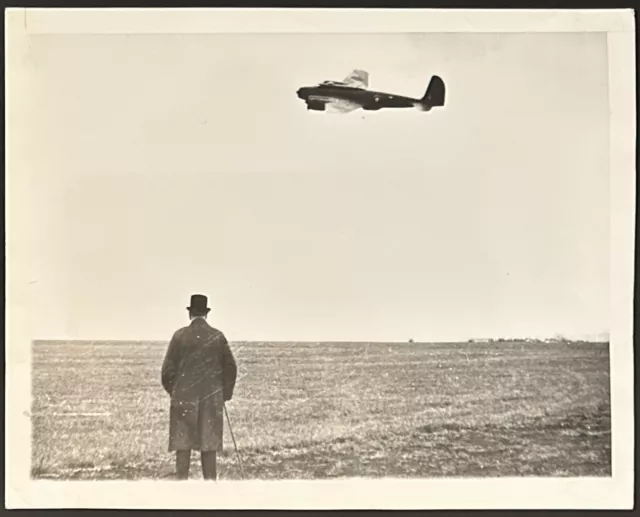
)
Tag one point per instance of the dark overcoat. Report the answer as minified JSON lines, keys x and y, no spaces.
{"x":199,"y":372}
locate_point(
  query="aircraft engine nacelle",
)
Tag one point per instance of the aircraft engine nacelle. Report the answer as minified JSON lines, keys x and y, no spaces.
{"x":316,"y":105}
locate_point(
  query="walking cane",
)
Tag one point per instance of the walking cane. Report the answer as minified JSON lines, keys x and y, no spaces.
{"x":234,"y":441}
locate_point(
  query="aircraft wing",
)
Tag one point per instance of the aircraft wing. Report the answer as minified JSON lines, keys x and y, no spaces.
{"x":357,"y":79}
{"x":341,"y":106}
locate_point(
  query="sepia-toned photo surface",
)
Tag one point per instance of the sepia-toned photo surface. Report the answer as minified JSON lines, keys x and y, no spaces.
{"x":266,"y":260}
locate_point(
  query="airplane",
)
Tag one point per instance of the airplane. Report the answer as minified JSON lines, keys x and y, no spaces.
{"x":352,"y":93}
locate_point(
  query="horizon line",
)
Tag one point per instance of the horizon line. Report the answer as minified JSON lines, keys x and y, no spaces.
{"x":310,"y":341}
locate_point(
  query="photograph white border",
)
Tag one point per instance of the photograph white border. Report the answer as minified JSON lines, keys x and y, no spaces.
{"x":615,"y":492}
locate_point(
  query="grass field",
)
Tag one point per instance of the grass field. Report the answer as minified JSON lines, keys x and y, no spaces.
{"x":311,"y":410}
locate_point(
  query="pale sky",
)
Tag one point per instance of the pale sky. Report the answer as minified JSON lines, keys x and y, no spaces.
{"x":169,"y":165}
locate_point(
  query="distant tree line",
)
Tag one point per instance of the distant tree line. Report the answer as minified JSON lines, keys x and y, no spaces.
{"x":555,"y":339}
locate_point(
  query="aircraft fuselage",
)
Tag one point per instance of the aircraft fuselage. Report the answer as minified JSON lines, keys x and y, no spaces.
{"x":368,"y":99}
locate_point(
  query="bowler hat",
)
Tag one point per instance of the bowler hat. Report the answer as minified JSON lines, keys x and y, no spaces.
{"x":198,"y":303}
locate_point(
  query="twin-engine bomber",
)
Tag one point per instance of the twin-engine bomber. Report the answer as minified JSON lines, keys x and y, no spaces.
{"x":352,"y":93}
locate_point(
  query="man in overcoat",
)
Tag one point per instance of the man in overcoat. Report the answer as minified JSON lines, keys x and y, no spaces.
{"x":199,"y":373}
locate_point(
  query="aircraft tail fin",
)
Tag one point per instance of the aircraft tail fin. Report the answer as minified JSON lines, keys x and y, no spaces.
{"x":435,"y":93}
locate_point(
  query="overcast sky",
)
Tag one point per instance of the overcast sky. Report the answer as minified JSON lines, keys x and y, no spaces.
{"x":169,"y":165}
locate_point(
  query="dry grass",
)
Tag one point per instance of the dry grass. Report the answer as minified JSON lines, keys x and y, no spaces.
{"x":329,"y":410}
